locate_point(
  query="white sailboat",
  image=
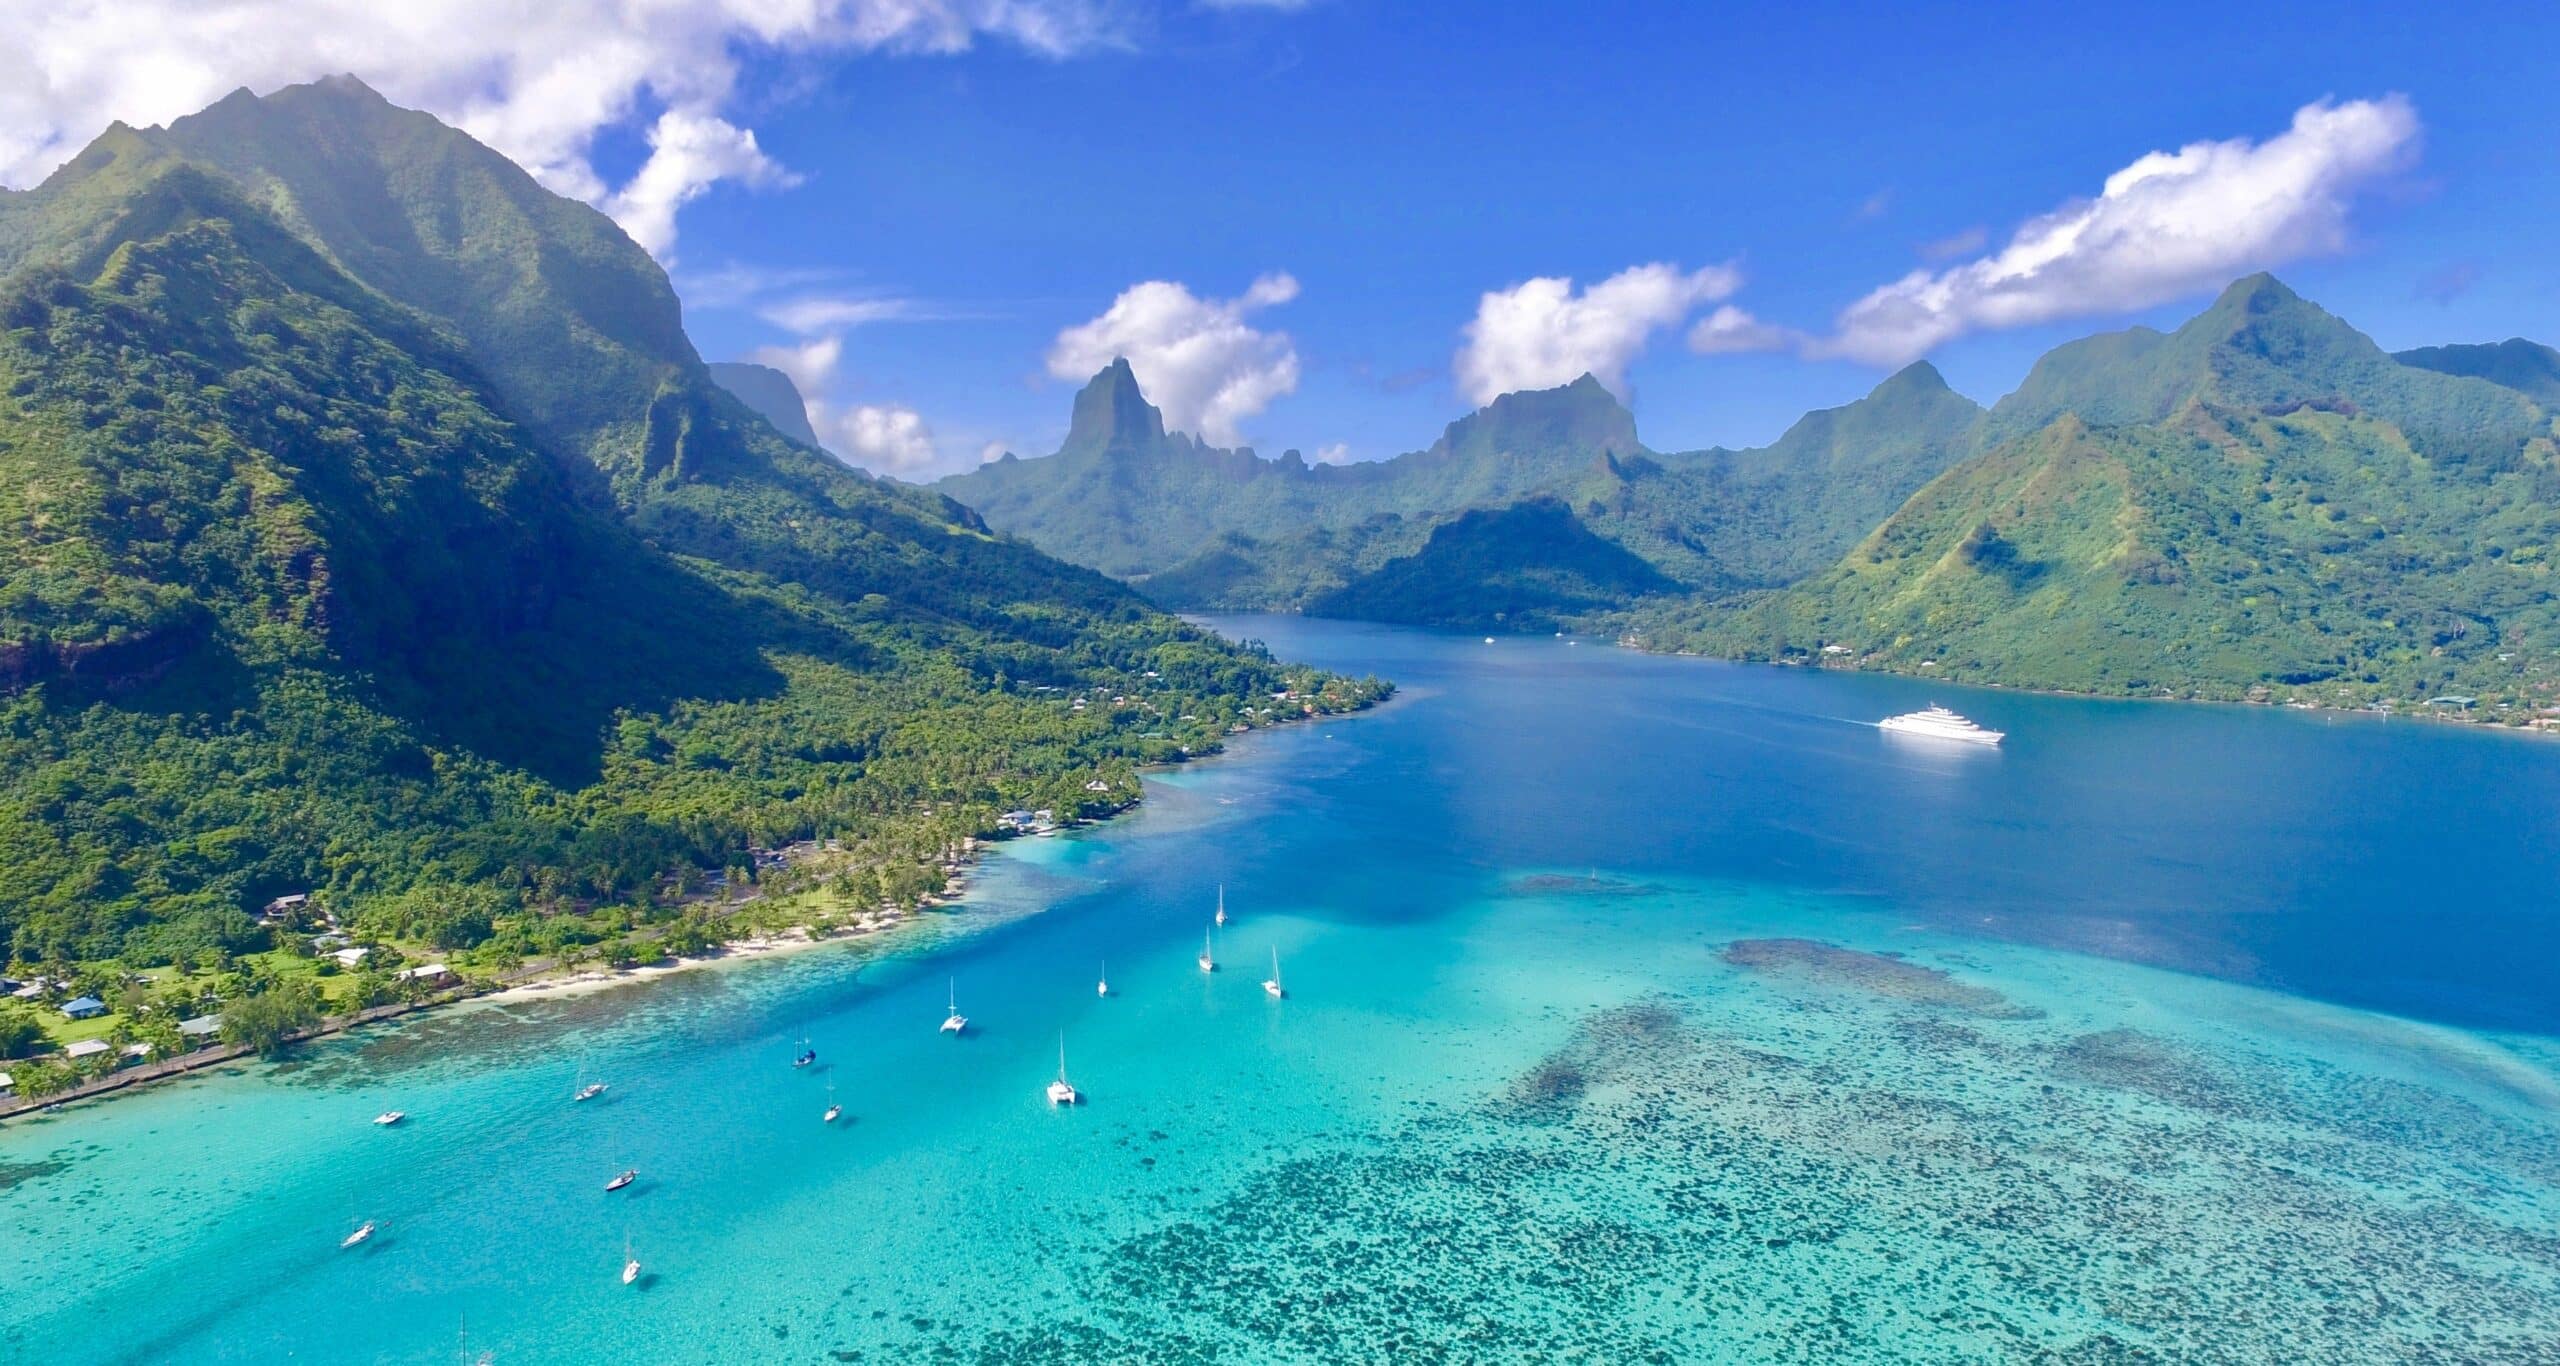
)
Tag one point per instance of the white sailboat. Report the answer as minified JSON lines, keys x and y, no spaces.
{"x":1272,"y":987}
{"x":1102,"y":986}
{"x":833,"y":1110}
{"x":589,"y":1091}
{"x":1208,"y":960}
{"x":955,"y":1021}
{"x":1221,"y":921}
{"x":363,"y":1231}
{"x":390,"y":1117}
{"x":630,"y":1264}
{"x":1060,"y":1093}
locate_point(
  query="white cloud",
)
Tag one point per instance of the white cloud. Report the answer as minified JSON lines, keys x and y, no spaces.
{"x":537,"y":82}
{"x":688,"y":154}
{"x":1540,"y":334}
{"x":884,"y":438}
{"x":1337,"y":453}
{"x":2170,"y":224}
{"x":990,"y":452}
{"x":1729,"y":330}
{"x":822,"y":313}
{"x":1197,"y":359}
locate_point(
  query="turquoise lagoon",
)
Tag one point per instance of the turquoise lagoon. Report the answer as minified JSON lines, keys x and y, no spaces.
{"x":1639,"y":1009}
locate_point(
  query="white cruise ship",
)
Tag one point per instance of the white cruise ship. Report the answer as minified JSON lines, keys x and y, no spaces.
{"x":1938,"y":723}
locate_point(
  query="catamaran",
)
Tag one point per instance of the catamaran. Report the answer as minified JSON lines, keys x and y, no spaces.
{"x":390,"y":1117}
{"x":1272,"y":987}
{"x":1060,"y":1093}
{"x":1208,"y":960}
{"x":363,"y":1231}
{"x":955,"y":1021}
{"x":629,"y":1175}
{"x":1938,"y":723}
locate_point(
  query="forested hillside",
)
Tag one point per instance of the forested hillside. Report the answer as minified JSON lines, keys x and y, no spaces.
{"x":369,"y":527}
{"x":2260,"y":503}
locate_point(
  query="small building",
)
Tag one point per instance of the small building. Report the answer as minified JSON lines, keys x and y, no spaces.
{"x":86,"y":1008}
{"x":432,"y":973}
{"x":31,"y":990}
{"x":1014,"y":820}
{"x":138,"y":1052}
{"x":86,"y":1049}
{"x":352,"y":957}
{"x":8,"y":1084}
{"x":330,"y":942}
{"x":201,"y":1027}
{"x":286,"y":907}
{"x":1097,"y":785}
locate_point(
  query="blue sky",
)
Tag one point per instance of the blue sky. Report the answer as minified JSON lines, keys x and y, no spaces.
{"x":1335,"y":186}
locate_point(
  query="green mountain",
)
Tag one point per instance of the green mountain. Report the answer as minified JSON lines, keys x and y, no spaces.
{"x":1722,"y":520}
{"x":770,"y":394}
{"x":2262,"y":499}
{"x":369,"y":526}
{"x":2529,"y":368}
{"x":2263,"y":348}
{"x":1127,"y":497}
{"x":1525,"y":566}
{"x":1198,"y":527}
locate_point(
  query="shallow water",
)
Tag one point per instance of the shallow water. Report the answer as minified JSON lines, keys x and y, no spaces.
{"x":1638,"y":1009}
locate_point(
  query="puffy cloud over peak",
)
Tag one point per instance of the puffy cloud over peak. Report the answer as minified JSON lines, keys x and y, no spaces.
{"x":1198,"y":359}
{"x":1542,"y":332}
{"x":2169,"y":224}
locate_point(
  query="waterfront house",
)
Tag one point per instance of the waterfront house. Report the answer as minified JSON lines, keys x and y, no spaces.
{"x":434,"y":974}
{"x":201,"y":1028}
{"x":86,"y":1008}
{"x":86,"y":1049}
{"x":8,"y":1084}
{"x":137,"y":1052}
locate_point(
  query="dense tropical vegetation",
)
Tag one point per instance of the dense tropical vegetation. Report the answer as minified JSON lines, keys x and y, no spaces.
{"x":349,"y":550}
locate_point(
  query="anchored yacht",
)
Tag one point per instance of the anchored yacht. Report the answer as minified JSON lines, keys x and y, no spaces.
{"x":955,"y":1022}
{"x":1060,"y":1093}
{"x":1938,"y":723}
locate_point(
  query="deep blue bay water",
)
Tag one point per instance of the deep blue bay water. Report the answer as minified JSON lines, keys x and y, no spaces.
{"x":1638,"y":1008}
